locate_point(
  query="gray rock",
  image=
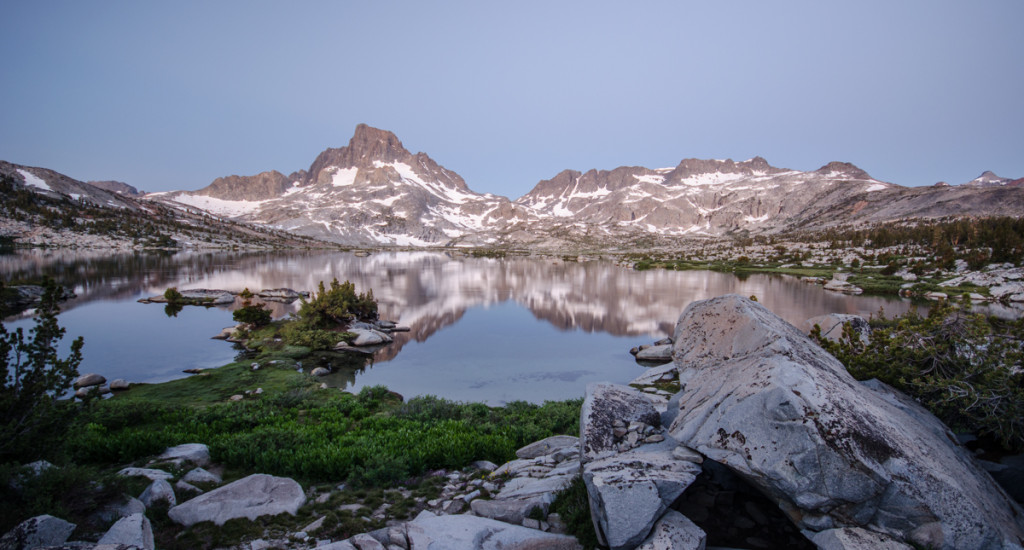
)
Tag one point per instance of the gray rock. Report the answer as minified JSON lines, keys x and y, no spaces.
{"x":157,"y":491}
{"x":88,"y":380}
{"x":195,"y":453}
{"x":199,"y":475}
{"x":760,"y":398}
{"x":226,"y":333}
{"x":659,"y":374}
{"x":510,"y":510}
{"x":320,"y":371}
{"x":121,"y":508}
{"x":855,"y":538}
{"x":656,"y":354}
{"x":44,"y":530}
{"x":250,"y":497}
{"x":187,"y":487}
{"x":369,"y":337}
{"x":524,"y":487}
{"x":359,"y":542}
{"x":832,"y":326}
{"x":604,"y":404}
{"x":674,"y":531}
{"x":315,"y":525}
{"x":281,"y":294}
{"x":547,"y":446}
{"x":839,"y":284}
{"x":134,"y":530}
{"x":628,"y":491}
{"x":148,"y":473}
{"x":464,"y":532}
{"x":484,"y":465}
{"x":120,"y":385}
{"x":631,"y":491}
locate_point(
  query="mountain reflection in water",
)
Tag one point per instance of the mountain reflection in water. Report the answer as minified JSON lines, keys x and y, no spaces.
{"x":482,"y":329}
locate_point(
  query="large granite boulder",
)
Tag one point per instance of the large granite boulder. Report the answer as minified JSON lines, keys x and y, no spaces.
{"x":134,"y":530}
{"x":759,"y":397}
{"x":630,"y":481}
{"x":44,"y":530}
{"x":249,"y":497}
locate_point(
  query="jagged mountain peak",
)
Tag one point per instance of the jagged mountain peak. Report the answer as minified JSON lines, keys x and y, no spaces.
{"x":367,"y":146}
{"x":376,"y":144}
{"x":837,"y":169}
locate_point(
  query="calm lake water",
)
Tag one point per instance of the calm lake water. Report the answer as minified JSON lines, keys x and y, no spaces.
{"x":490,"y":330}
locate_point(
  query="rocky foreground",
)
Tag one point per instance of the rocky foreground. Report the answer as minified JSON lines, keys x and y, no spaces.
{"x":752,"y":435}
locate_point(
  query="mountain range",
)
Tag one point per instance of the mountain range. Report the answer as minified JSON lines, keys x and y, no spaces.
{"x":375,"y":192}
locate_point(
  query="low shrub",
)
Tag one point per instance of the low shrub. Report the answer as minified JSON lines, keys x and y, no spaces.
{"x":964,"y":367}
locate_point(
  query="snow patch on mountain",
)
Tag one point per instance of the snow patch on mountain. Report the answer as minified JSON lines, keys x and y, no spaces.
{"x":219,"y":207}
{"x":34,"y":180}
{"x":343,"y":177}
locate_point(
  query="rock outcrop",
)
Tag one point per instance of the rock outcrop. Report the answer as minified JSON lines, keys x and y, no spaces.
{"x":629,"y":469}
{"x":762,"y":399}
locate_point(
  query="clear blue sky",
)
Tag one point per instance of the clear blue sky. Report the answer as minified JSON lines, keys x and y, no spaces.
{"x":170,"y":95}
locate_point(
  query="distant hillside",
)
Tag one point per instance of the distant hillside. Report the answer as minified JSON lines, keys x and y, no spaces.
{"x":43,"y":207}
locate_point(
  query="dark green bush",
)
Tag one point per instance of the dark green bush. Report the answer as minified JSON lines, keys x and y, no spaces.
{"x":340,"y":304}
{"x":33,"y":418}
{"x":257,"y":315}
{"x":963,"y":367}
{"x":173,"y":297}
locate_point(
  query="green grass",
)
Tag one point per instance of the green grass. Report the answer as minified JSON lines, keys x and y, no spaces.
{"x":322,"y":435}
{"x":217,"y":385}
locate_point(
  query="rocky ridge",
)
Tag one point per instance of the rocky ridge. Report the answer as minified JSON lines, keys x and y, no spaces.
{"x":375,"y":192}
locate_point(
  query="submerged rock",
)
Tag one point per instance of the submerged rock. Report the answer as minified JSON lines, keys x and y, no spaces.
{"x":759,"y":397}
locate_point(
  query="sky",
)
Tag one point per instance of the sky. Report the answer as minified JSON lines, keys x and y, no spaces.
{"x":171,"y":95}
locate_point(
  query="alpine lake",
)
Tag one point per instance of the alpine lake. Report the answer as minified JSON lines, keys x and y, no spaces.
{"x":491,"y":330}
